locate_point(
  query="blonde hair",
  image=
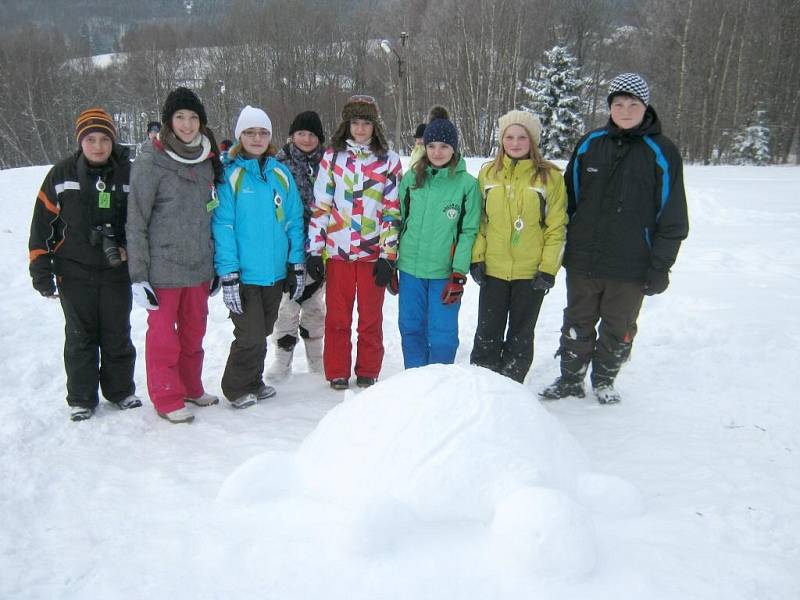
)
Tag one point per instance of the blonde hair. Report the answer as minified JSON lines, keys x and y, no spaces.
{"x":541,"y":167}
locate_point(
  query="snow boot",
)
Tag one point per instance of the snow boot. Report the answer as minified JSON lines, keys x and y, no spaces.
{"x":245,"y":401}
{"x":365,"y":382}
{"x":314,"y":354}
{"x":80,"y":413}
{"x":131,"y":401}
{"x":606,"y":394}
{"x":563,"y":387}
{"x":179,"y":415}
{"x":340,"y":383}
{"x":204,"y":400}
{"x":265,"y":391}
{"x":281,"y":367}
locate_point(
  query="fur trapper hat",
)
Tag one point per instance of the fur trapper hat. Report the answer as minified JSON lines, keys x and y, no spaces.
{"x":361,"y":107}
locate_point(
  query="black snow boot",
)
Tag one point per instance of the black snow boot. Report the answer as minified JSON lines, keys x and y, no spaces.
{"x":563,"y":388}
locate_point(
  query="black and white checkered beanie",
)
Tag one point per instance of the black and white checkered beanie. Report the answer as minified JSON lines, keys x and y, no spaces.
{"x":631,"y":84}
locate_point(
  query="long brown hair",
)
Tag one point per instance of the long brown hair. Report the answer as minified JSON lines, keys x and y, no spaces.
{"x":541,"y":167}
{"x":421,"y":166}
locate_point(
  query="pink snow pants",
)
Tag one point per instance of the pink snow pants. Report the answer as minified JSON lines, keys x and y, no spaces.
{"x":174,"y":346}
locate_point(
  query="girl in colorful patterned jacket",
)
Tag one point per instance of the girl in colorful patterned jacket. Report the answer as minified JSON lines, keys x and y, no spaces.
{"x":440,"y":206}
{"x":518,"y":249}
{"x":355,"y":222}
{"x":260,"y":248}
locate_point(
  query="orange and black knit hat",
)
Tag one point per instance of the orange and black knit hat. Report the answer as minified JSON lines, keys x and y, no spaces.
{"x":94,"y":120}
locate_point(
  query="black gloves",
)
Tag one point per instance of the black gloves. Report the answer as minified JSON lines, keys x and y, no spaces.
{"x":315,"y":268}
{"x":543,"y":282}
{"x":383,"y":271}
{"x":656,"y":282}
{"x":477,"y":271}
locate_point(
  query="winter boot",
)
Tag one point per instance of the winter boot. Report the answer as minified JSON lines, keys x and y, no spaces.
{"x":281,"y":367}
{"x":245,"y":401}
{"x":204,"y":400}
{"x":365,"y":382}
{"x":606,"y":394}
{"x":80,"y":413}
{"x":314,"y":354}
{"x":179,"y":415}
{"x":265,"y":391}
{"x":563,"y":387}
{"x":131,"y":401}
{"x":340,"y":383}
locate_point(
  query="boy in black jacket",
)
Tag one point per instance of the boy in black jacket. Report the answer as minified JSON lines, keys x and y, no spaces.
{"x":77,"y":255}
{"x":628,"y":216}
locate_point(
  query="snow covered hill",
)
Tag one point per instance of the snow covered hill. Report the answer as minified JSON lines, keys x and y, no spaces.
{"x":424,"y":486}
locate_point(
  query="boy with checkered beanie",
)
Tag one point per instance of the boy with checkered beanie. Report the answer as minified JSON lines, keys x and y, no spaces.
{"x":628,"y":217}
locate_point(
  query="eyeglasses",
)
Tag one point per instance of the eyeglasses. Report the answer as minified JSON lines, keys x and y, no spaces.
{"x":362,"y":98}
{"x":251,"y":134}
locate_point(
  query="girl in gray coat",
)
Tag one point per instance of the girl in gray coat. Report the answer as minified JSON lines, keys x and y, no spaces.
{"x":171,"y":252}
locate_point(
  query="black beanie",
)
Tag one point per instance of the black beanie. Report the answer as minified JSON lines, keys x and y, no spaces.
{"x":308,"y":121}
{"x":153,"y":126}
{"x":420,"y":131}
{"x":182,"y":99}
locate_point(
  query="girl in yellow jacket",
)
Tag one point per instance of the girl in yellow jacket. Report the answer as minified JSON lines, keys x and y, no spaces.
{"x":519,"y":246}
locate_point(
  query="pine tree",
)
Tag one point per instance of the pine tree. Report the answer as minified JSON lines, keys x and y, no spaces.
{"x":751,"y":144}
{"x":553,"y":95}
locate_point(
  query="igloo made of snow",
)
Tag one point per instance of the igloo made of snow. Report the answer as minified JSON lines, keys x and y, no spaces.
{"x":447,"y":441}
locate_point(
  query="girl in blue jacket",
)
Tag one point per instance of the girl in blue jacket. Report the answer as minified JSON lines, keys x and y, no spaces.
{"x":259,"y":249}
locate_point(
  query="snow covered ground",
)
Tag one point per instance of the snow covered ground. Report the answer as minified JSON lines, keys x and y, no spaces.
{"x":442,"y":483}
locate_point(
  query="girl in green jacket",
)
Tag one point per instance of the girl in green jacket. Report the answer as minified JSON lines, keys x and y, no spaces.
{"x":440,"y":206}
{"x":519,"y":245}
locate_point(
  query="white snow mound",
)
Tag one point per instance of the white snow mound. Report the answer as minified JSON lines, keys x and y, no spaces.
{"x":543,"y":531}
{"x":448,"y":441}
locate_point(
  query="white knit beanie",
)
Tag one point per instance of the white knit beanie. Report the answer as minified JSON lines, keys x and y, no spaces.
{"x":252,"y":117}
{"x":521,"y":117}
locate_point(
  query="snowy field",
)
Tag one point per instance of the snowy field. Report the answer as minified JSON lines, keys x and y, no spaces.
{"x":441,"y":483}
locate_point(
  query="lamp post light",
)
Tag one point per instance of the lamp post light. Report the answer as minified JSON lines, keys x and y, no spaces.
{"x":401,"y":73}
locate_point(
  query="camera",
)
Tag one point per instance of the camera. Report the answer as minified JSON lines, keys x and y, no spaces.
{"x":105,"y":236}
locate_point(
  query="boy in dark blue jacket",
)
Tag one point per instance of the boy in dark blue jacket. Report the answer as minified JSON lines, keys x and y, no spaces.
{"x":628,"y":217}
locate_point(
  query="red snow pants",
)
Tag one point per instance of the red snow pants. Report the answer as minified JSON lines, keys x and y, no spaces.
{"x":174,"y":346}
{"x":346,"y":283}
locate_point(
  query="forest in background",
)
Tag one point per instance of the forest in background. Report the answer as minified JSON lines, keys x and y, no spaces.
{"x":723,"y":73}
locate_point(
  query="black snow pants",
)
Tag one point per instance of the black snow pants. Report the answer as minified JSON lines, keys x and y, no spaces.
{"x":97,"y":333}
{"x":244,"y":370}
{"x":615,"y":304}
{"x":517,"y":304}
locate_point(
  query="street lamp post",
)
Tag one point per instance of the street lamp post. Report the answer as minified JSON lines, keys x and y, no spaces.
{"x":401,"y":73}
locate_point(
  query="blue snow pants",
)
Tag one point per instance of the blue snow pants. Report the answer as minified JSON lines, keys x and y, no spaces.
{"x":428,"y":328}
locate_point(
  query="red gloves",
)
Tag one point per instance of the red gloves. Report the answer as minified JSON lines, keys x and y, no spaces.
{"x":454,"y":289}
